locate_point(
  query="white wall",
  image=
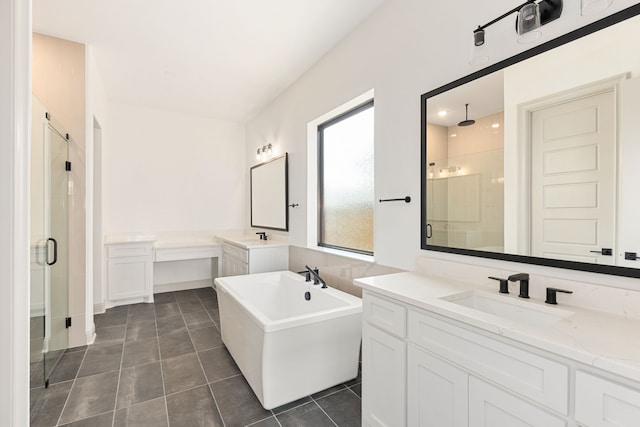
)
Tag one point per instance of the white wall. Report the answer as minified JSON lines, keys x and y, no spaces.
{"x":96,"y":116}
{"x":401,"y":51}
{"x":169,"y":171}
{"x":404,"y":49}
{"x":15,"y":112}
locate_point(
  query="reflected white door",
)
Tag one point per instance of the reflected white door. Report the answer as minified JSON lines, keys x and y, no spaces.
{"x":573,"y":186}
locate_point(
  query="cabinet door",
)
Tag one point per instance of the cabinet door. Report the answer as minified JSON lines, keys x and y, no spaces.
{"x":383,"y":378}
{"x":263,"y":260}
{"x":602,"y":403}
{"x":437,"y":392}
{"x":227,"y":266}
{"x":232,"y":266}
{"x":129,"y":277}
{"x":490,"y":406}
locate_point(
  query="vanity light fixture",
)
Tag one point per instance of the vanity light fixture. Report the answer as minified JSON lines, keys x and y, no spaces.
{"x":531,"y":16}
{"x":264,"y":152}
{"x":528,"y":23}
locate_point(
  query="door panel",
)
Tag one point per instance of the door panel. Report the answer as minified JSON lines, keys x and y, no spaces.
{"x":573,"y":179}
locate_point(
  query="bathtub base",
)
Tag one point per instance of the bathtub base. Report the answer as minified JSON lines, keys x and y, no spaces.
{"x":286,"y":365}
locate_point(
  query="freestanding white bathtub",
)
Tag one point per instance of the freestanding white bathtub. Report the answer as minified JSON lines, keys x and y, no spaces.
{"x":288,"y":347}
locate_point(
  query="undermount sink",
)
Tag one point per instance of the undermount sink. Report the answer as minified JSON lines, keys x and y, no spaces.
{"x":509,"y":307}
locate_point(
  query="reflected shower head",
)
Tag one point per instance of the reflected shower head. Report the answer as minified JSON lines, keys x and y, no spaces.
{"x":466,"y":121}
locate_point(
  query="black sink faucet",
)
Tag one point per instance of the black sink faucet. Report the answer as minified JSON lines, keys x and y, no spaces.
{"x":524,"y":283}
{"x":262,"y":234}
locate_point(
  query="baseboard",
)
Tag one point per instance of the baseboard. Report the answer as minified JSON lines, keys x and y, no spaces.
{"x":91,"y":335}
{"x":37,"y":310}
{"x":99,"y":308}
{"x":182,"y":286}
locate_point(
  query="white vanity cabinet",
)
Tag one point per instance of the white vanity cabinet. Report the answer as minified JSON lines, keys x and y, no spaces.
{"x":453,"y":376}
{"x":130,"y":271}
{"x":237,"y":260}
{"x":383,"y":363}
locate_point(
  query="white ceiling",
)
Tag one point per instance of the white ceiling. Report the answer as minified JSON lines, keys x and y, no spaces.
{"x":217,"y":58}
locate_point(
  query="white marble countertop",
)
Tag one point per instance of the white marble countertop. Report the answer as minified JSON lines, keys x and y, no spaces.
{"x":248,"y":241}
{"x":176,"y":244}
{"x":193,"y":239}
{"x":116,"y":239}
{"x":598,"y":339}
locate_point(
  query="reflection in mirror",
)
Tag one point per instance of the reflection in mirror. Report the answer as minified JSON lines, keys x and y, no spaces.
{"x":538,"y":168}
{"x":465,"y":174}
{"x":269,"y":194}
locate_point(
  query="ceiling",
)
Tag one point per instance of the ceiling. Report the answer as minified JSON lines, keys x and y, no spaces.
{"x":225,"y":59}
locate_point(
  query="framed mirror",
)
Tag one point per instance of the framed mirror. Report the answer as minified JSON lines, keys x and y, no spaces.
{"x":533,"y":159}
{"x":270,"y":194}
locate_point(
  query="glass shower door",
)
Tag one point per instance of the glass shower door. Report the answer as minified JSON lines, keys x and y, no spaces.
{"x":57,"y":251}
{"x":49,"y":245}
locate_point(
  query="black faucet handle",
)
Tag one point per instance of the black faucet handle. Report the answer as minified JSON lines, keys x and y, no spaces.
{"x":551,"y":295}
{"x":504,"y":284}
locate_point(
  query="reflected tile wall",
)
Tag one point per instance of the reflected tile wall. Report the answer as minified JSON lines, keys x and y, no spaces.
{"x":338,"y":271}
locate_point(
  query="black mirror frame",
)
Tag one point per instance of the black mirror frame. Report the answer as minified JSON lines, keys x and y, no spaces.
{"x":603,"y":23}
{"x":286,"y":193}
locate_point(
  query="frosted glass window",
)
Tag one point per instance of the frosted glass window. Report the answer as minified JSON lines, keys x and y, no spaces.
{"x":346,"y":181}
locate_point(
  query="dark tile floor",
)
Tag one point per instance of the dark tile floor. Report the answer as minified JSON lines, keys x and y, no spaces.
{"x":164,"y":364}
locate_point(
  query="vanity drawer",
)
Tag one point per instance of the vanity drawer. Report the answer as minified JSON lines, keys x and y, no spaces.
{"x":129,"y":250}
{"x":236,"y":252}
{"x":537,"y":378}
{"x":600,"y":402}
{"x":385,"y":314}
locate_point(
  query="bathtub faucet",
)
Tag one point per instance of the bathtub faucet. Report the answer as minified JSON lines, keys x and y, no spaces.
{"x":306,"y":274}
{"x":316,"y":276}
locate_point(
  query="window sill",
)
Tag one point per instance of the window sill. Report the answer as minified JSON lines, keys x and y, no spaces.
{"x":345,"y":254}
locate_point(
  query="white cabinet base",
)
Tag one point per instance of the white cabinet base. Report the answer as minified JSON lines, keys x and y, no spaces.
{"x":437,"y":392}
{"x":602,"y":403}
{"x":129,"y":273}
{"x":383,"y":378}
{"x":490,"y":406}
{"x":237,"y":261}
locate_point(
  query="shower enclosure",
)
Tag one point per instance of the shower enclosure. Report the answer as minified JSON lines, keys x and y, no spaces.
{"x":49,"y":244}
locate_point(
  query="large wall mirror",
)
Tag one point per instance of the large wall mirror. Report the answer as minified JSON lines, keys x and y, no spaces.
{"x":270,"y":194}
{"x":535,"y":159}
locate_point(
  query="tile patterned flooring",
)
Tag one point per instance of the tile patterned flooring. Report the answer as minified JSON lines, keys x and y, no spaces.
{"x":164,"y":364}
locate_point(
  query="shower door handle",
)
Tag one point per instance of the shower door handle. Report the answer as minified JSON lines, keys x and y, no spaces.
{"x":55,"y":251}
{"x":429,"y":231}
